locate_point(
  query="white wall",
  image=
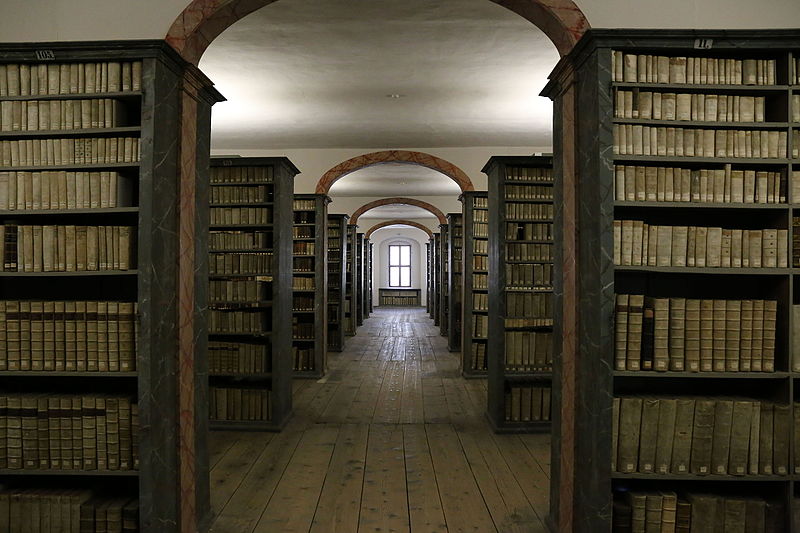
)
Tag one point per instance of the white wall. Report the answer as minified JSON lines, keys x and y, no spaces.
{"x":380,"y":258}
{"x":84,"y":20}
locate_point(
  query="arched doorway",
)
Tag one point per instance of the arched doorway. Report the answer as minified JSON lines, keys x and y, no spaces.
{"x":435,"y":211}
{"x":563,"y":22}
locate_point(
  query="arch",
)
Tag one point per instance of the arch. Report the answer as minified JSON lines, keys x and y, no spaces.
{"x":398,"y":221}
{"x":394,"y":156}
{"x":203,"y":20}
{"x":402,"y":201}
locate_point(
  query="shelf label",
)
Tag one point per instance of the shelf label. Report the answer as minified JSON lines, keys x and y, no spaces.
{"x":45,"y":55}
{"x":703,"y":44}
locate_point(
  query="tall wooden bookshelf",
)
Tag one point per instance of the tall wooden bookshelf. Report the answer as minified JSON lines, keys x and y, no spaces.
{"x":683,"y":310}
{"x":359,"y":288}
{"x":249,"y":260}
{"x":309,"y":285}
{"x":444,"y":268}
{"x":475,"y":303}
{"x":89,"y":332}
{"x":520,"y":346}
{"x":429,"y":277}
{"x":436,"y":273}
{"x":366,"y":300}
{"x":337,"y":242}
{"x":455,"y":279}
{"x":351,"y":282}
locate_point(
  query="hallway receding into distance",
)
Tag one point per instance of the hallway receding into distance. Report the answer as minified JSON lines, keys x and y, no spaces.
{"x":391,"y":439}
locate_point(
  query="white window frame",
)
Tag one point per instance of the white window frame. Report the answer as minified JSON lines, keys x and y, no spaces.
{"x":399,"y":266}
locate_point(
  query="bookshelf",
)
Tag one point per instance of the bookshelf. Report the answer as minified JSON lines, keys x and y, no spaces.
{"x":429,"y":277}
{"x":520,"y":345}
{"x":88,"y":334}
{"x":444,"y":290}
{"x":475,"y":303}
{"x":250,"y":258}
{"x":309,"y":285}
{"x":366,"y":300}
{"x":351,"y":282}
{"x":436,"y":252}
{"x":359,"y":293}
{"x":394,"y":297}
{"x":337,"y":241}
{"x":455,"y":279}
{"x":703,"y":332}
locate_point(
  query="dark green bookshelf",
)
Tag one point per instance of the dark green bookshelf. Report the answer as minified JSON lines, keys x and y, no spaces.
{"x":455,"y":279}
{"x":337,"y":242}
{"x":351,"y":283}
{"x":444,"y":276}
{"x":475,"y":303}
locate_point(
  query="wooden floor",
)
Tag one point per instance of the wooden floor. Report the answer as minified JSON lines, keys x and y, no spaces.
{"x":392,"y":439}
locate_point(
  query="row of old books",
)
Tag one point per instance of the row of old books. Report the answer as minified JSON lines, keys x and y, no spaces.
{"x":240,"y":194}
{"x":687,"y":334}
{"x":58,"y":115}
{"x":528,"y":231}
{"x":528,"y":192}
{"x":240,"y":263}
{"x":529,"y":304}
{"x":529,"y":351}
{"x":795,"y":241}
{"x":528,"y":252}
{"x":303,"y":264}
{"x":648,"y":68}
{"x":71,"y":336}
{"x":480,"y":262}
{"x":240,"y":215}
{"x":481,"y":247}
{"x":519,"y":211}
{"x":528,"y":174}
{"x":302,"y":303}
{"x":226,"y":240}
{"x":302,"y":232}
{"x":302,"y":330}
{"x":480,"y":281}
{"x":528,"y":276}
{"x":64,"y":190}
{"x":668,"y":512}
{"x":23,"y":79}
{"x":237,"y":290}
{"x":478,"y":360}
{"x":636,"y":139}
{"x":236,"y":318}
{"x":302,"y":358}
{"x":480,"y":229}
{"x":480,"y":326}
{"x":724,"y":185}
{"x":303,"y":248}
{"x":480,"y":301}
{"x":700,"y":435}
{"x":526,"y":403}
{"x":795,"y":76}
{"x":67,"y":248}
{"x":303,"y":205}
{"x":66,"y":511}
{"x":248,"y":175}
{"x":237,"y":358}
{"x":689,"y":106}
{"x":69,"y":151}
{"x":68,"y":432}
{"x":301,"y":283}
{"x":403,"y":300}
{"x":638,"y":243}
{"x":304,"y":217}
{"x":239,"y":404}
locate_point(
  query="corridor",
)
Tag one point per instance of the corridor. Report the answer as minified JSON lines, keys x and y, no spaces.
{"x":391,"y":439}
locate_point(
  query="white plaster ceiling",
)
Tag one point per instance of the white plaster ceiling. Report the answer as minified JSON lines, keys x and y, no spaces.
{"x":395,"y":179}
{"x":379,"y":233}
{"x":316,"y":74}
{"x":390,"y":212}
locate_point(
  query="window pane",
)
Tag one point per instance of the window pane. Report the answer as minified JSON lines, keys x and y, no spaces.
{"x":394,"y":276}
{"x":405,"y":255}
{"x":394,"y":255}
{"x":405,"y":276}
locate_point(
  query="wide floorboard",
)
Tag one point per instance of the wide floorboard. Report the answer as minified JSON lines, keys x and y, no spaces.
{"x":391,"y":439}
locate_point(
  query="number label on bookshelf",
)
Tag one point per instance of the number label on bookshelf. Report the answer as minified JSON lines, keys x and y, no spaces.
{"x":703,"y":44}
{"x":45,"y":55}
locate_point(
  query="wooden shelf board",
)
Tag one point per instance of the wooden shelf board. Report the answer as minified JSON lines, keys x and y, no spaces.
{"x":706,"y":270}
{"x":65,"y":373}
{"x":61,"y":212}
{"x":87,"y":132}
{"x":68,"y":166}
{"x":82,"y":273}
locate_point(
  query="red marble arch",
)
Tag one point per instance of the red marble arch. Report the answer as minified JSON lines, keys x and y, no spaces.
{"x":399,"y":222}
{"x":398,"y":201}
{"x":203,"y":20}
{"x":394,"y":156}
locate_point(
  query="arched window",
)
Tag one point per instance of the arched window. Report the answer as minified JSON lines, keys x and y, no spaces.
{"x":400,"y":265}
